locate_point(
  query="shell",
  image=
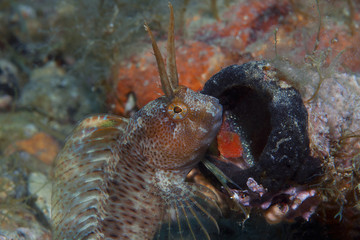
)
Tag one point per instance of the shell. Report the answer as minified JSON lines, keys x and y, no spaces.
{"x":269,"y":116}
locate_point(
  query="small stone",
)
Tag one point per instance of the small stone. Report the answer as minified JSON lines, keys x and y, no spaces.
{"x":40,"y":186}
{"x":7,"y":188}
{"x":8,"y":84}
{"x":41,"y":145}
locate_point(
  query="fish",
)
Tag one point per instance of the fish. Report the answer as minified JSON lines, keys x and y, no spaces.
{"x":124,"y":178}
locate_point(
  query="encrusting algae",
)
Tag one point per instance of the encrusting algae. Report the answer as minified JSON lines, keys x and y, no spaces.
{"x":120,"y":178}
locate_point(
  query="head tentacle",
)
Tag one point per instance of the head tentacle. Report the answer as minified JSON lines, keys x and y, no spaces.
{"x":171,"y":59}
{"x":165,"y":83}
{"x":169,"y":76}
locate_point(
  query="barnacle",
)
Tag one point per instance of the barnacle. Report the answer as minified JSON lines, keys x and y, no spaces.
{"x":269,"y":116}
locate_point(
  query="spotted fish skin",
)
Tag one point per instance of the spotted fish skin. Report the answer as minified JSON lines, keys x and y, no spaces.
{"x":113,"y":174}
{"x":119,"y":178}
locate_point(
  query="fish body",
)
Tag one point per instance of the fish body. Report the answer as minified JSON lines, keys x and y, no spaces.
{"x":119,"y":178}
{"x":115,"y":177}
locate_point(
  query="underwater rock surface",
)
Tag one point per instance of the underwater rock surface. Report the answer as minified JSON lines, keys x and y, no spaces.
{"x":271,"y":119}
{"x":66,"y":101}
{"x":8,"y":84}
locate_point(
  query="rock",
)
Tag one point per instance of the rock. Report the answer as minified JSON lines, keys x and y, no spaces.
{"x":335,"y":114}
{"x":40,"y":145}
{"x":7,"y":188}
{"x":40,"y":187}
{"x":55,"y":94}
{"x":25,"y":234}
{"x":8,"y":84}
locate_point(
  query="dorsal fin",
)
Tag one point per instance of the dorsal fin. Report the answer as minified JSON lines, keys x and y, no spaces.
{"x":169,"y":79}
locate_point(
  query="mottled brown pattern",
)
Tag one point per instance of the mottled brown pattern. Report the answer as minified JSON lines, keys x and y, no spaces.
{"x":115,"y":181}
{"x":120,"y":179}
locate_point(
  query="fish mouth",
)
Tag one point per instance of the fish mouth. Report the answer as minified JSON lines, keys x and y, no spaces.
{"x":218,"y":113}
{"x":214,"y":108}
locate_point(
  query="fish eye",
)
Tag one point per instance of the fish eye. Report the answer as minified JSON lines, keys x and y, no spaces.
{"x":177,"y":111}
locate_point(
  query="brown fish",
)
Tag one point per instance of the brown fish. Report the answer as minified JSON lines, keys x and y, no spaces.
{"x":120,"y":178}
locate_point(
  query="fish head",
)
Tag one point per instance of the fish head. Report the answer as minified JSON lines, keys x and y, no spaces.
{"x":178,"y":130}
{"x":180,"y":125}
